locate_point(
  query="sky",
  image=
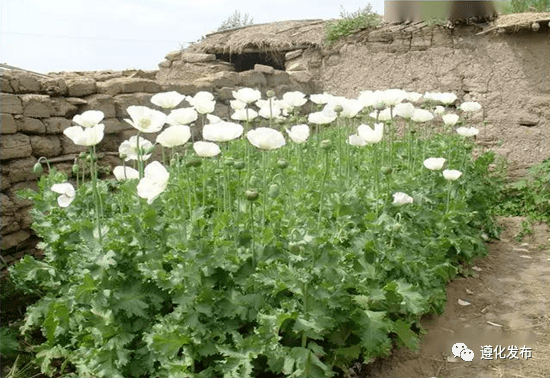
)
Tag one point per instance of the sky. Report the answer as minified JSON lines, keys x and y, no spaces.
{"x":85,"y":35}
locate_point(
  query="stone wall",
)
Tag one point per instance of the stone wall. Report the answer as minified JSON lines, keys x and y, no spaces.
{"x":36,"y":110}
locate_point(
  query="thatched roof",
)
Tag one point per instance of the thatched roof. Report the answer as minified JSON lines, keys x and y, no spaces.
{"x":275,"y":36}
{"x":518,"y":21}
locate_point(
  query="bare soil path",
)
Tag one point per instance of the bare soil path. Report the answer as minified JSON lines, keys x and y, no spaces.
{"x":509,"y":305}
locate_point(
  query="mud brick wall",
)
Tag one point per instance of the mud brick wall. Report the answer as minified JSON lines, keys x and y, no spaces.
{"x":36,"y":110}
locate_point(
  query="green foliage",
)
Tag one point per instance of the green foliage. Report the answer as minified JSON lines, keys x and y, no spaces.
{"x":237,"y":19}
{"x":350,"y":23}
{"x":8,"y":342}
{"x":204,"y":283}
{"x":521,"y":6}
{"x":529,"y":196}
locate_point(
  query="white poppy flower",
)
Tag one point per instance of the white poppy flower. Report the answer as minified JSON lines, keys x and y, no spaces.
{"x":392,"y":97}
{"x":67,"y":193}
{"x":174,"y":136}
{"x":421,"y":115}
{"x":439,"y":110}
{"x":266,"y":138}
{"x":451,"y":174}
{"x":450,"y":119}
{"x":369,"y":135}
{"x":183,"y":116}
{"x":470,"y":106}
{"x":273,"y":112}
{"x":154,"y":181}
{"x":247,"y":95}
{"x":145,"y":119}
{"x":206,"y":149}
{"x":404,"y":110}
{"x":294,"y":99}
{"x":413,"y":96}
{"x":384,"y":115}
{"x":320,"y":98}
{"x":199,"y":97}
{"x":298,"y":133}
{"x":434,"y":164}
{"x":125,"y":173}
{"x":356,"y":140}
{"x":244,"y":115}
{"x":447,"y":98}
{"x":129,"y":148}
{"x":350,"y":108}
{"x":401,"y":199}
{"x":467,"y":131}
{"x":213,"y":119}
{"x":89,"y":118}
{"x":89,"y":136}
{"x":222,"y":131}
{"x":322,"y":118}
{"x":237,"y":104}
{"x":167,"y":100}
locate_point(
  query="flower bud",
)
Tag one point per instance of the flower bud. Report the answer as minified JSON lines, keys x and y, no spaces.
{"x":229,"y":161}
{"x":239,"y":164}
{"x":123,"y":156}
{"x":282,"y":163}
{"x":270,"y":93}
{"x":326,"y":144}
{"x":251,"y":195}
{"x":338,"y":108}
{"x":75,"y":168}
{"x":193,"y":162}
{"x":83,"y":155}
{"x":37,"y":168}
{"x":273,"y":191}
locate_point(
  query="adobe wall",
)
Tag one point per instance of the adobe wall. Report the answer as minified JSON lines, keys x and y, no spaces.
{"x":508,"y":73}
{"x":35,"y":111}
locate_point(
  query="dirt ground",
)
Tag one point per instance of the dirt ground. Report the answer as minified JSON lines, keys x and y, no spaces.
{"x":509,"y":305}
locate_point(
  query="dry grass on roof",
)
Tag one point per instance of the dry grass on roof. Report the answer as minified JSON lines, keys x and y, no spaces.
{"x":520,"y":20}
{"x":276,"y":36}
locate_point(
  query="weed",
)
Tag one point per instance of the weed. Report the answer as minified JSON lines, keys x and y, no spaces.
{"x":350,"y":23}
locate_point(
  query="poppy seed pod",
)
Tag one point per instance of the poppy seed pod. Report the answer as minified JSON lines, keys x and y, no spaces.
{"x":239,"y":164}
{"x":282,"y":163}
{"x":386,"y":170}
{"x":254,"y":181}
{"x":273,"y":191}
{"x":270,"y":93}
{"x":75,"y":168}
{"x":229,"y":161}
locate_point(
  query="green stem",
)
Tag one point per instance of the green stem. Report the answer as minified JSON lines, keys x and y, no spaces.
{"x":327,"y":162}
{"x":95,"y":191}
{"x":448,"y":198}
{"x":252,"y":235}
{"x":305,"y":294}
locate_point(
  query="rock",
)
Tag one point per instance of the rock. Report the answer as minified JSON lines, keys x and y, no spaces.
{"x":128,"y":85}
{"x":7,"y":124}
{"x":197,"y":58}
{"x":293,"y":54}
{"x":296,"y":67}
{"x":82,"y":86}
{"x":54,"y":87}
{"x":226,"y":79}
{"x":252,"y":79}
{"x":174,"y":55}
{"x":301,"y":76}
{"x":63,"y":108}
{"x":264,"y":69}
{"x":9,"y":224}
{"x":10,"y":104}
{"x":101,"y":102}
{"x":123,"y":101}
{"x":7,"y":205}
{"x":165,"y":64}
{"x":12,"y":240}
{"x":4,"y":182}
{"x":68,"y":146}
{"x":527,"y":119}
{"x":21,"y":169}
{"x":5,"y":86}
{"x":29,"y":125}
{"x":18,"y":201}
{"x":23,"y":82}
{"x":114,"y":126}
{"x":48,"y":146}
{"x":15,"y":146}
{"x":225,"y":93}
{"x":37,"y":106}
{"x":56,"y":125}
{"x":277,"y":78}
{"x":140,"y":74}
{"x":76,"y":101}
{"x":24,"y":217}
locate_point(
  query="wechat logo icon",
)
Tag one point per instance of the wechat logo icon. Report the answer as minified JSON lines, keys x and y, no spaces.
{"x":462,"y":351}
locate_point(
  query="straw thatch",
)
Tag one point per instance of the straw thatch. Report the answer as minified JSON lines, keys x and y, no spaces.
{"x":517,"y":21}
{"x":272,"y":37}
